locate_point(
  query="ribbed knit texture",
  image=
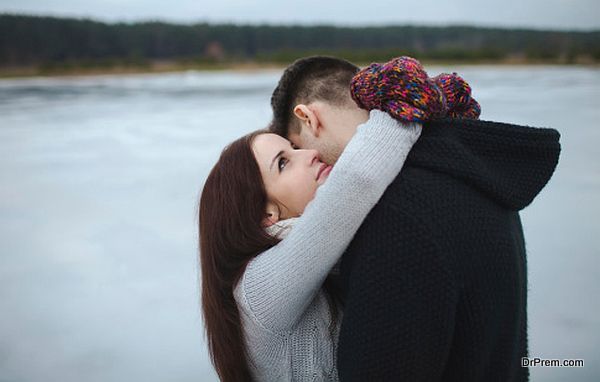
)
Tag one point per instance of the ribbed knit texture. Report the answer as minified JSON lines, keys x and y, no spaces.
{"x":435,"y":280}
{"x":283,"y":309}
{"x":282,"y":228}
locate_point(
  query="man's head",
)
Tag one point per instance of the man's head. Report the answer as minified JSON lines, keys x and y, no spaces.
{"x":312,"y":106}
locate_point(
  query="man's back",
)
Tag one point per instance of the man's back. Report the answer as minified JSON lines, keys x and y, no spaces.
{"x":435,"y":281}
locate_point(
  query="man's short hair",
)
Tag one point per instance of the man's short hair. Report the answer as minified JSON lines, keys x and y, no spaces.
{"x":309,"y":79}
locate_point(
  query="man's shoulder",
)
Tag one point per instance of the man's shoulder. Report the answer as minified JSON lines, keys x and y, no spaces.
{"x":435,"y":198}
{"x":417,"y":187}
{"x":417,"y":196}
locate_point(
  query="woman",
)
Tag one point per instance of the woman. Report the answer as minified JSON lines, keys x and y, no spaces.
{"x":269,"y":312}
{"x":265,"y":312}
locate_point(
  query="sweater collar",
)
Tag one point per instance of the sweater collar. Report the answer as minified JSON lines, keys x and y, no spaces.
{"x":282,"y":228}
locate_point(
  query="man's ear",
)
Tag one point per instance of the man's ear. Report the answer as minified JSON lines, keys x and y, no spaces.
{"x":272,"y":215}
{"x":308,"y":118}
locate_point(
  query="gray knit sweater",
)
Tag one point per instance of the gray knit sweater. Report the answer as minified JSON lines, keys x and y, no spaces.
{"x":282,"y":306}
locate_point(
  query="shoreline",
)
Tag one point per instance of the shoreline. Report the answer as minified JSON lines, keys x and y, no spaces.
{"x":251,"y":66}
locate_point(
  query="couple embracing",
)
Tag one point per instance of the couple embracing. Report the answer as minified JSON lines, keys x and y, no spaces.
{"x":371,"y":232}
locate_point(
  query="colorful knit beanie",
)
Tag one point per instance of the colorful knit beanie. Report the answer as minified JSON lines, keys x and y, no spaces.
{"x":402,"y":88}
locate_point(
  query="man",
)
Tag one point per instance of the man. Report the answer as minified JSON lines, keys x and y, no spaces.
{"x":435,"y":281}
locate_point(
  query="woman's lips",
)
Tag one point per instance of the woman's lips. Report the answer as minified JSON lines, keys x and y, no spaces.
{"x":323,"y":171}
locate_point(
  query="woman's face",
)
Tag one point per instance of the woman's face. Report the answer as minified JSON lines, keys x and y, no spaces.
{"x":291,"y":176}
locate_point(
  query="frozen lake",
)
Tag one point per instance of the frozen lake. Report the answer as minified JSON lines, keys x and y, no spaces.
{"x":99,"y":185}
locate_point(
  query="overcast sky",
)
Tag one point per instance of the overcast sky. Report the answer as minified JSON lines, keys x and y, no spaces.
{"x":553,"y":14}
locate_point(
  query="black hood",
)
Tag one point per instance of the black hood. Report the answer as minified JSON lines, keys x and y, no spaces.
{"x":509,"y":163}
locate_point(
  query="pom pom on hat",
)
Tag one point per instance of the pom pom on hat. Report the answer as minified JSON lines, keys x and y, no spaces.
{"x":459,"y":102}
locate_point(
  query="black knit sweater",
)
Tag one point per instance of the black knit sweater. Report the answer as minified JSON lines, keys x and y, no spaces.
{"x":435,"y":280}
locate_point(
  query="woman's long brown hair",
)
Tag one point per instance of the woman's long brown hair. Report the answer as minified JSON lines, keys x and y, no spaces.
{"x":232,"y":208}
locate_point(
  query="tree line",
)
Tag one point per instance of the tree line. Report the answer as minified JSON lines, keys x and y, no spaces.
{"x":34,"y":40}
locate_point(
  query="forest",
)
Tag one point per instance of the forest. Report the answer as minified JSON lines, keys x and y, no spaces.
{"x":49,"y":43}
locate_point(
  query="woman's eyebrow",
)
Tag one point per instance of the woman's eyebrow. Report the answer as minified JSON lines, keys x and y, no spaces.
{"x":274,"y":159}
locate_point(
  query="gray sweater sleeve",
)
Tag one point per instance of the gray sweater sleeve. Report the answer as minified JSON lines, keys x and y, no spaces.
{"x":280,"y":283}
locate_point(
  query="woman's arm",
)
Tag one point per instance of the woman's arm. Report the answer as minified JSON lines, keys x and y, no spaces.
{"x":279,"y":284}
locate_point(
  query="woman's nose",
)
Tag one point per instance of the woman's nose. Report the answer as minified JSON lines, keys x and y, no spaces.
{"x":313,"y":156}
